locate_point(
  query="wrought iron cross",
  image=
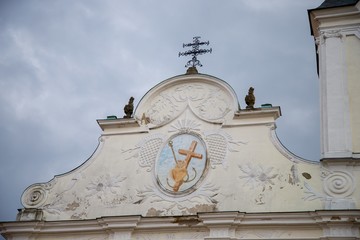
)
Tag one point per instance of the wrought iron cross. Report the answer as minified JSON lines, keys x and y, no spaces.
{"x":195,"y":51}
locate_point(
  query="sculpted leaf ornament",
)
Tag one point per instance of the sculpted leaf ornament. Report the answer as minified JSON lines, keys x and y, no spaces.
{"x":104,"y":185}
{"x":312,"y":194}
{"x":256,"y":176}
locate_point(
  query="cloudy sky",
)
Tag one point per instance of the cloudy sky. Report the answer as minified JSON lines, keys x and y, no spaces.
{"x":64,"y":64}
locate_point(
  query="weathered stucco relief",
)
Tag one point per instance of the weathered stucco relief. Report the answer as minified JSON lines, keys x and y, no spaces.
{"x":106,"y":189}
{"x":265,"y":181}
{"x":338,"y":187}
{"x":192,"y":165}
{"x":208,"y":102}
{"x":183,"y":202}
{"x":185,"y":160}
{"x":339,"y":184}
{"x":41,"y":196}
{"x":162,"y":205}
{"x":258,"y":176}
{"x":207,"y":97}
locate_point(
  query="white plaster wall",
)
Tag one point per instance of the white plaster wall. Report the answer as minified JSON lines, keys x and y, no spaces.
{"x":353,"y":74}
{"x":334,"y":97}
{"x":248,"y":168}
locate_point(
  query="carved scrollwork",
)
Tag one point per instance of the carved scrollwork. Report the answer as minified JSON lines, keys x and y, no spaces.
{"x":208,"y":102}
{"x":312,"y":194}
{"x":332,"y":34}
{"x":328,"y":34}
{"x":339,"y":184}
{"x":162,"y":109}
{"x":214,"y":106}
{"x":34,"y":197}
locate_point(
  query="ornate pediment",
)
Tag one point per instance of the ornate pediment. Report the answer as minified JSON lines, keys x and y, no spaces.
{"x":209,"y":98}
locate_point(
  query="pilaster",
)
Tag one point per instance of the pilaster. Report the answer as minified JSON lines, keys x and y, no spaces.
{"x":338,"y":225}
{"x":334,"y":96}
{"x":119,"y":229}
{"x":221,"y":225}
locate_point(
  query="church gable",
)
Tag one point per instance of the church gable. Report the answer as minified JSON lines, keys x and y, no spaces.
{"x":188,"y":149}
{"x":189,"y":163}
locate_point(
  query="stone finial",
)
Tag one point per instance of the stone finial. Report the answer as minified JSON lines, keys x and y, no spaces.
{"x":192,"y":70}
{"x":250,"y":99}
{"x":144,"y":119}
{"x":129,"y":108}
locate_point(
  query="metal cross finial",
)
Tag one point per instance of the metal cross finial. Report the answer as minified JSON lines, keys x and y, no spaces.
{"x":195,"y":51}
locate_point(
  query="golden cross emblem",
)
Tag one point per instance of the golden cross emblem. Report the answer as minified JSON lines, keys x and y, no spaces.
{"x":179,"y":172}
{"x":190,"y":153}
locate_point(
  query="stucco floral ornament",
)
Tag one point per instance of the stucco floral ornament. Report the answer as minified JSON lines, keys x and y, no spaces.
{"x":104,"y":186}
{"x":257,"y":176}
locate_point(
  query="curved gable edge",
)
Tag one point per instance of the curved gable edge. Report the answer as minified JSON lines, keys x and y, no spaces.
{"x":284,"y":151}
{"x":35,"y":195}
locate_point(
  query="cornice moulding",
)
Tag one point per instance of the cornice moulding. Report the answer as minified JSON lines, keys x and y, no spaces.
{"x":117,"y":123}
{"x":336,"y":15}
{"x":306,"y":221}
{"x":259,"y":116}
{"x":274,"y":112}
{"x":341,"y":161}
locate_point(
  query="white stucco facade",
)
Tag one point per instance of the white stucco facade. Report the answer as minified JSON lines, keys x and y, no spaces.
{"x":248,"y":187}
{"x":121,"y":178}
{"x":191,"y":164}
